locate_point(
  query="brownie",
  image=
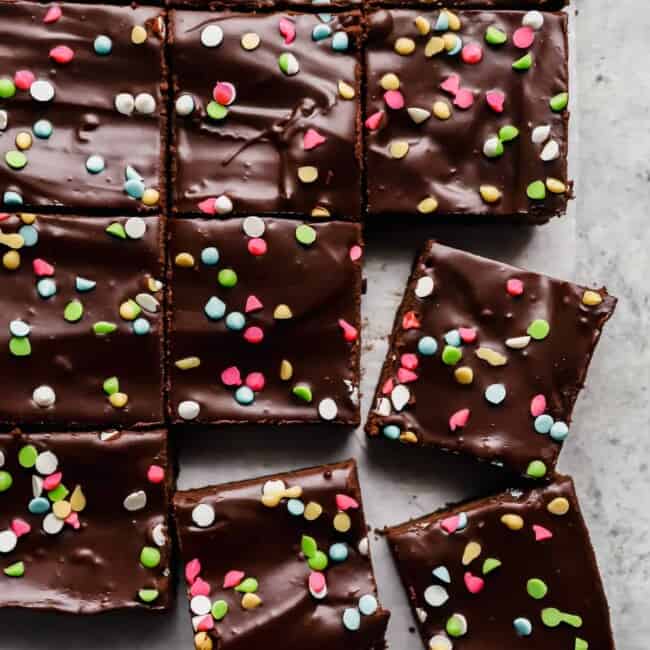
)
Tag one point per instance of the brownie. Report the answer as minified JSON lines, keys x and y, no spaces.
{"x":511,"y":571}
{"x":466,"y":114}
{"x":264,"y":321}
{"x":81,"y":530}
{"x":266,"y":5}
{"x":487,"y":359}
{"x":283,"y":560}
{"x":82,"y":106}
{"x":266,"y":113}
{"x":81,"y":326}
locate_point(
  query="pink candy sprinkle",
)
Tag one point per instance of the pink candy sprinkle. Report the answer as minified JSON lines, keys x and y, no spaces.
{"x":410,"y":321}
{"x":24,"y":79}
{"x":288,"y":30}
{"x":254,"y":334}
{"x":450,"y":524}
{"x":467,"y":334}
{"x":472,"y":53}
{"x":73,"y":520}
{"x":20,"y":527}
{"x":208,"y":206}
{"x":253,"y":303}
{"x":231,"y":376}
{"x":205,"y":624}
{"x":406,"y":376}
{"x":464,"y":98}
{"x":52,"y":481}
{"x":233,"y":578}
{"x":312,"y":139}
{"x":451,"y":84}
{"x":356,"y":252}
{"x":257,"y":246}
{"x":224,"y":93}
{"x":394,"y":99}
{"x":495,"y":100}
{"x":200,"y":588}
{"x":537,"y":405}
{"x":344,"y":502}
{"x":192,"y":570}
{"x":541,"y":533}
{"x":459,"y":419}
{"x":52,"y":15}
{"x":316,"y":582}
{"x":373,"y":122}
{"x":473,"y":583}
{"x":388,"y":386}
{"x":515,"y":287}
{"x":155,"y":474}
{"x":42,"y":268}
{"x":349,"y":331}
{"x":523,"y":37}
{"x":255,"y":381}
{"x":62,"y":54}
{"x":4,"y":216}
{"x":409,"y":360}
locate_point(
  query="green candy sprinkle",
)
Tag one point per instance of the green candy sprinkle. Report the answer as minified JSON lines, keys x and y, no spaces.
{"x":508,"y":133}
{"x":308,"y":546}
{"x":219,"y":609}
{"x":103,"y":327}
{"x":536,"y":191}
{"x":490,"y":565}
{"x":27,"y":456}
{"x":319,"y":562}
{"x":305,"y":234}
{"x":495,"y":36}
{"x":303,"y":392}
{"x":580,"y":644}
{"x":7,"y":88}
{"x":5,"y":481}
{"x":524,"y":63}
{"x":111,"y":385}
{"x":117,"y":230}
{"x":59,"y":493}
{"x":552,"y":617}
{"x":247,"y":586}
{"x":456,"y":625}
{"x":451,"y":355}
{"x":15,"y":159}
{"x":288,"y":63}
{"x":536,"y":469}
{"x":538,"y":329}
{"x":149,"y":557}
{"x":73,"y":311}
{"x":227,"y":278}
{"x":536,"y":588}
{"x":20,"y":347}
{"x":559,"y":102}
{"x":216,"y":111}
{"x":148,"y":595}
{"x":15,"y":570}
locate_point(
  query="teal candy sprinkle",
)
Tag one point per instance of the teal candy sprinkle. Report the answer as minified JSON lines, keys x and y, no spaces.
{"x":495,"y":393}
{"x":215,"y":308}
{"x":340,"y":42}
{"x":427,"y":346}
{"x":296,"y":507}
{"x":391,"y":431}
{"x":442,"y":24}
{"x":19,"y":328}
{"x":46,"y":288}
{"x":29,"y":235}
{"x":453,"y":338}
{"x":338,"y":552}
{"x":368,"y":605}
{"x":543,"y":423}
{"x":523,"y":627}
{"x":43,"y":129}
{"x":321,"y":32}
{"x":95,"y":165}
{"x":103,"y":45}
{"x":39,"y":506}
{"x":210,"y":256}
{"x":134,"y":188}
{"x":236,"y":321}
{"x":83,"y":284}
{"x":141,"y":326}
{"x":351,"y":619}
{"x":559,"y":431}
{"x":130,"y":173}
{"x":244,"y":395}
{"x":12,"y":198}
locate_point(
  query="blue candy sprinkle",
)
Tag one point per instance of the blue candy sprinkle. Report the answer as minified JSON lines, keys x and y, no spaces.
{"x":391,"y":431}
{"x":43,"y":129}
{"x":351,"y":619}
{"x":452,"y":337}
{"x":368,"y":605}
{"x":19,"y":328}
{"x":39,"y":506}
{"x":244,"y":395}
{"x":543,"y":423}
{"x":427,"y":346}
{"x":83,"y":284}
{"x":29,"y":235}
{"x":523,"y":627}
{"x":442,"y":24}
{"x":12,"y":198}
{"x":338,"y":552}
{"x":210,"y":256}
{"x":559,"y":431}
{"x":495,"y":393}
{"x":103,"y":45}
{"x":321,"y":32}
{"x":95,"y":164}
{"x":296,"y":507}
{"x":46,"y":288}
{"x":141,"y":326}
{"x":134,"y":188}
{"x":442,"y":573}
{"x":215,"y":308}
{"x":235,"y":320}
{"x":340,"y":42}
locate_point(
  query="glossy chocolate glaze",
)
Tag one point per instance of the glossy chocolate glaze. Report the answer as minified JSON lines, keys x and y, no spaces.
{"x":70,"y":357}
{"x":83,"y":112}
{"x":264,"y":542}
{"x":96,"y":567}
{"x":470,"y":291}
{"x":446,"y":159}
{"x":320,"y":283}
{"x":253,"y":155}
{"x":565,"y":562}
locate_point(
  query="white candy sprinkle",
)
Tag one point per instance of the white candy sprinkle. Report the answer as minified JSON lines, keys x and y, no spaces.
{"x":435,"y":595}
{"x":400,"y":396}
{"x":3,"y":120}
{"x":274,"y":488}
{"x":2,"y":458}
{"x":491,"y":147}
{"x":135,"y":501}
{"x":124,"y":103}
{"x":52,"y":525}
{"x":424,"y":287}
{"x":158,"y":535}
{"x":135,"y":227}
{"x":363,"y":546}
{"x":107,"y":436}
{"x":8,"y":541}
{"x":19,"y":328}
{"x":533,"y":19}
{"x":540,"y":134}
{"x":44,"y":396}
{"x":200,"y":605}
{"x":327,"y":409}
{"x":37,"y":486}
{"x":254,"y":226}
{"x":184,"y":105}
{"x":46,"y":463}
{"x":147,"y":302}
{"x":518,"y":342}
{"x":203,"y":515}
{"x":42,"y":91}
{"x":211,"y":36}
{"x":383,"y":406}
{"x":440,"y":642}
{"x":222,"y":204}
{"x":196,"y":621}
{"x":418,"y":115}
{"x":551,"y":151}
{"x":421,"y":614}
{"x":189,"y":410}
{"x":145,"y":103}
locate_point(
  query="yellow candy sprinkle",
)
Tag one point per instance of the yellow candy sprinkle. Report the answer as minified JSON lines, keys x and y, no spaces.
{"x":250,"y":41}
{"x":319,"y":212}
{"x":129,"y":310}
{"x":11,"y":260}
{"x":342,"y":522}
{"x":78,"y":500}
{"x":555,"y":186}
{"x":154,"y":285}
{"x":27,"y":218}
{"x":23,"y":140}
{"x":286,"y":370}
{"x":442,"y":110}
{"x":138,"y":35}
{"x":404,"y":46}
{"x":464,"y":375}
{"x":398,"y":149}
{"x":591,"y":298}
{"x":493,"y":357}
{"x":422,"y":25}
{"x":471,"y":552}
{"x":435,"y":45}
{"x":202,"y":641}
{"x":188,"y":363}
{"x":490,"y":193}
{"x":313,"y":511}
{"x":184,"y":259}
{"x":62,"y":509}
{"x":12,"y":240}
{"x":282,"y":312}
{"x":389,"y":81}
{"x":428,"y":205}
{"x":558,"y":506}
{"x":307,"y":173}
{"x":408,"y":437}
{"x":251,"y":601}
{"x":294,"y":492}
{"x":454,"y":20}
{"x":151,"y":196}
{"x":513,"y":522}
{"x":118,"y":400}
{"x":346,"y":90}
